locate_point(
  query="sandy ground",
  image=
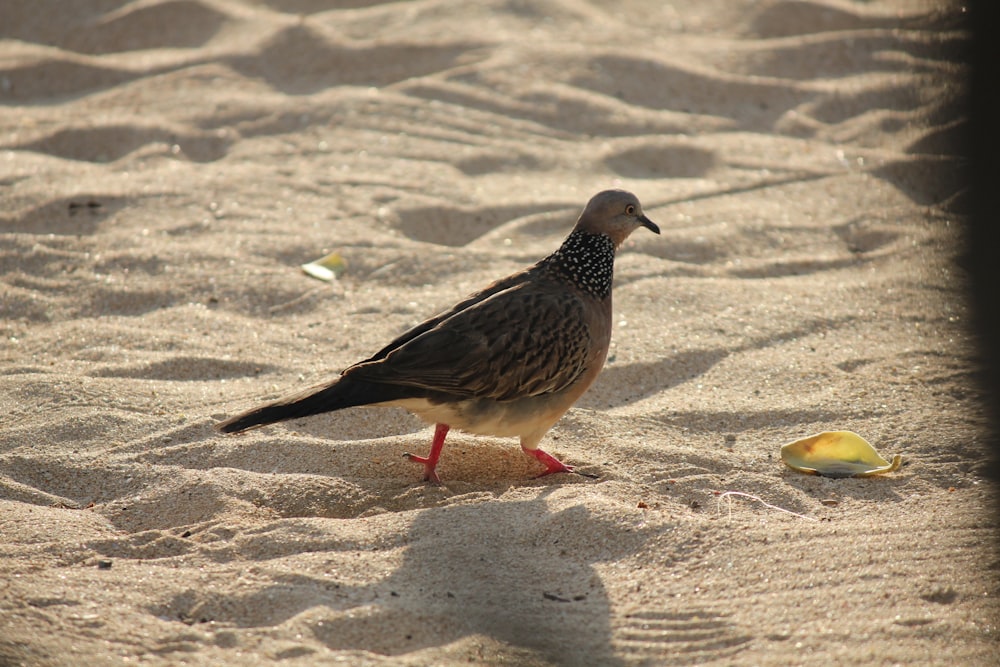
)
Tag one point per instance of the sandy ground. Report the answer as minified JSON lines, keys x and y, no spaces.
{"x":167,"y":165}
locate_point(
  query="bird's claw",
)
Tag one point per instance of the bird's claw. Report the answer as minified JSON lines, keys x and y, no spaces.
{"x":569,"y":469}
{"x":430,"y":474}
{"x":552,"y":464}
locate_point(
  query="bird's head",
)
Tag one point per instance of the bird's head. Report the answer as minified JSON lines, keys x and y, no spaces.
{"x":616,"y":214}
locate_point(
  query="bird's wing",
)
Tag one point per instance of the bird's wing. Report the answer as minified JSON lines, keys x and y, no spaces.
{"x":519,"y":342}
{"x":500,"y":285}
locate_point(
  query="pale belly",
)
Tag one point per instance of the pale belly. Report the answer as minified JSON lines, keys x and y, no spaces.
{"x":522,"y":418}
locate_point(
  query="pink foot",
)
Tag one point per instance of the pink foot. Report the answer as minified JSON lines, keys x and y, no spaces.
{"x":431,"y":460}
{"x":551,"y":463}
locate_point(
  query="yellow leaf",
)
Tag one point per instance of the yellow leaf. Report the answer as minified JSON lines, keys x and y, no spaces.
{"x":837,"y":454}
{"x":326,"y":268}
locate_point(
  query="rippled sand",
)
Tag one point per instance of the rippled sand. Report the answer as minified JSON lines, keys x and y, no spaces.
{"x":167,"y":165}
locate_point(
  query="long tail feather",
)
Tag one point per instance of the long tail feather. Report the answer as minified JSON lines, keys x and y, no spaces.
{"x":343,"y":393}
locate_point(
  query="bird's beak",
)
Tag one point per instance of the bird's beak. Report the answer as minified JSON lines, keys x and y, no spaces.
{"x":649,"y":224}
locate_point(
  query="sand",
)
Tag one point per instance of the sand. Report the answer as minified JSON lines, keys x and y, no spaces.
{"x":167,"y":165}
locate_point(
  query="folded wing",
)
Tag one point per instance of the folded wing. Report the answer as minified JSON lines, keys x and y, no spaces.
{"x":518,"y":342}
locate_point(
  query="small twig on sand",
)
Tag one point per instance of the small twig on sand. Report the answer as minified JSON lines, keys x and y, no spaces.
{"x":726,"y":494}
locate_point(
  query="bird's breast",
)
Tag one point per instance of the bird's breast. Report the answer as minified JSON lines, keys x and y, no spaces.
{"x":483,"y":416}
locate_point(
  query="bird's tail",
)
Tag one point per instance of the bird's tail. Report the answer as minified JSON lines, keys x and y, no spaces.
{"x":342,"y":393}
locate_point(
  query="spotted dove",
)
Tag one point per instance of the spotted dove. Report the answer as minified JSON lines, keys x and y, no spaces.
{"x":508,"y":360}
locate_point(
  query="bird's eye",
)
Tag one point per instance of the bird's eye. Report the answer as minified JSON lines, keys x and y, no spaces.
{"x":630,"y":210}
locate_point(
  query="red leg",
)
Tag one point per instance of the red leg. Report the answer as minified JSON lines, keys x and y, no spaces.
{"x":431,"y":460}
{"x":551,"y":463}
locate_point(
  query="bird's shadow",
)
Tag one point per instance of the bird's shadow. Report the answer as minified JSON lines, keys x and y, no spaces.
{"x":515,"y":572}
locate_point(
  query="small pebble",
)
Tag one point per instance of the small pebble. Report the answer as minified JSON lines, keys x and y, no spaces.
{"x":104,"y":564}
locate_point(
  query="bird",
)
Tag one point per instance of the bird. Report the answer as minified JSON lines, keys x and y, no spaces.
{"x":508,"y":360}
